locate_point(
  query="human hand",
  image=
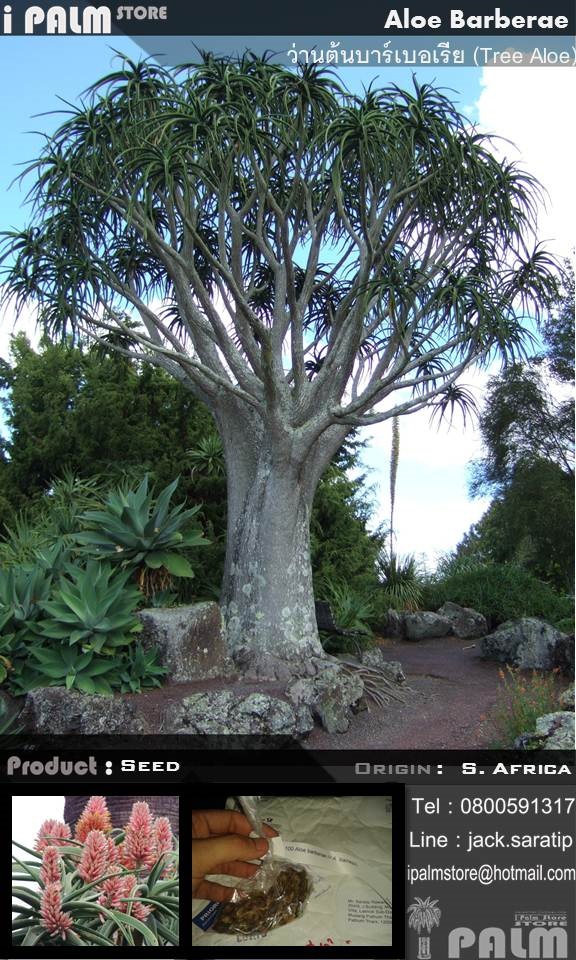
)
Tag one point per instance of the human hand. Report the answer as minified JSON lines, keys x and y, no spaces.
{"x":221,"y":844}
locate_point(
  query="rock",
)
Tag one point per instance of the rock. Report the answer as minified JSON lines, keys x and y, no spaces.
{"x":190,"y":641}
{"x":395,"y":626}
{"x":329,"y":696}
{"x":554,"y":731}
{"x":225,"y":712}
{"x":566,"y":699}
{"x":527,"y":643}
{"x":55,"y":710}
{"x":563,"y":656}
{"x":466,"y":623}
{"x":374,"y":657}
{"x":424,"y":624}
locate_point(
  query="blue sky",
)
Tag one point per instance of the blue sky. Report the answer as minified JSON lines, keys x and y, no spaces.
{"x":432,"y":511}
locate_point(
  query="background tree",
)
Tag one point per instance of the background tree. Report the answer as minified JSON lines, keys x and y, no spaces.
{"x":87,"y":414}
{"x":527,"y":428}
{"x":303,"y":260}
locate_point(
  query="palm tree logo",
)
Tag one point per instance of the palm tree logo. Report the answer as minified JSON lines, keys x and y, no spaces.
{"x":424,"y":914}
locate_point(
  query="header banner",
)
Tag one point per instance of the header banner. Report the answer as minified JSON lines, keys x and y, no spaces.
{"x":258,"y":18}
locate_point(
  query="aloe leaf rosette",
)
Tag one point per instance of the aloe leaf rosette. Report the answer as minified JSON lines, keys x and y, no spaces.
{"x":92,"y":606}
{"x":100,"y":886}
{"x":140,"y":530}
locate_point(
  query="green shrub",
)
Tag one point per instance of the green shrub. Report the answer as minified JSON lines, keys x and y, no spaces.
{"x":501,"y":591}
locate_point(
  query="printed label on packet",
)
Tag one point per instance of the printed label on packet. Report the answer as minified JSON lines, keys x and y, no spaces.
{"x":207,"y":916}
{"x":334,"y":861}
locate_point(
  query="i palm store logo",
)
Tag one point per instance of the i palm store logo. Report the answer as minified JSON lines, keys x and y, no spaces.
{"x":424,"y":915}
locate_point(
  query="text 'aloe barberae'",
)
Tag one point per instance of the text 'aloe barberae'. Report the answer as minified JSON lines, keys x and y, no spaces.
{"x":303,"y":259}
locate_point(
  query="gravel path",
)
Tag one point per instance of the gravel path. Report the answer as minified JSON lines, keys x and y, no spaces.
{"x":453,"y":690}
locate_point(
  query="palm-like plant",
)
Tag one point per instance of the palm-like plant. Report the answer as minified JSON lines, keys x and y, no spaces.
{"x":401,"y":581}
{"x":207,"y":457}
{"x":424,"y":915}
{"x":143,"y":533}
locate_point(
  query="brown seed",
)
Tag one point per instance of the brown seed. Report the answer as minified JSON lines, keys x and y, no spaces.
{"x":263,"y":911}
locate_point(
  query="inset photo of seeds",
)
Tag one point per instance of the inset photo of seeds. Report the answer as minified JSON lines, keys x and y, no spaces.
{"x":93,"y":871}
{"x":299,"y":871}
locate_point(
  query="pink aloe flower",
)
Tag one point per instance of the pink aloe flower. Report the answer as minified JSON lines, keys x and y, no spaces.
{"x":141,"y":910}
{"x":95,"y":816}
{"x":115,"y":889}
{"x":94,"y":861}
{"x":52,"y":833}
{"x":113,"y":851}
{"x":163,"y":836}
{"x":50,"y":869}
{"x":53,"y":919}
{"x":139,"y":847}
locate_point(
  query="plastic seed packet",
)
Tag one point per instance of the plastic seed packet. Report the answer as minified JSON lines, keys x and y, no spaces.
{"x":326,"y":880}
{"x":278,"y":896}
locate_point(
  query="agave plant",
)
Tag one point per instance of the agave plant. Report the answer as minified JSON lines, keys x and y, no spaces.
{"x":22,"y":590}
{"x":92,"y":606}
{"x":144,"y":533}
{"x":71,"y":667}
{"x":103,"y":887}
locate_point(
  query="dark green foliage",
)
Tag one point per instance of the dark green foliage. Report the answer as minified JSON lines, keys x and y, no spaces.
{"x":521,"y":424}
{"x":343,"y":549}
{"x":401,"y":582}
{"x":99,"y":415}
{"x":76,"y":415}
{"x":528,"y":436}
{"x":558,"y":331}
{"x":530,"y":523}
{"x":501,"y":591}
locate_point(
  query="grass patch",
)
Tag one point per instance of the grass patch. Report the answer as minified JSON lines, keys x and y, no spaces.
{"x":523,"y":697}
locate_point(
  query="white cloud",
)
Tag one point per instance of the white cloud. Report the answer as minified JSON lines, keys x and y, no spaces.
{"x":9,"y":325}
{"x":530,"y":107}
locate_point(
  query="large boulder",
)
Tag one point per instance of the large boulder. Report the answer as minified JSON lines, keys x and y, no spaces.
{"x":554,"y":731}
{"x":466,"y":623}
{"x":55,"y":710}
{"x":563,"y":655}
{"x":395,"y":626}
{"x":527,"y":643}
{"x":329,"y":696}
{"x":423,"y":625}
{"x":566,"y":699}
{"x":190,"y":641}
{"x":225,"y":712}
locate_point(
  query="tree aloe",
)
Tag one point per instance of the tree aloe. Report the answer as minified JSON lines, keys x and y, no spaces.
{"x":304,"y":260}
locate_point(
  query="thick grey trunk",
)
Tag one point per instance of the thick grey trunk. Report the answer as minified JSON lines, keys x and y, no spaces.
{"x":267,"y":595}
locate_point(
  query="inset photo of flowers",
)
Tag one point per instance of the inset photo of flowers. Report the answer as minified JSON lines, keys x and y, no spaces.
{"x":95,"y":871}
